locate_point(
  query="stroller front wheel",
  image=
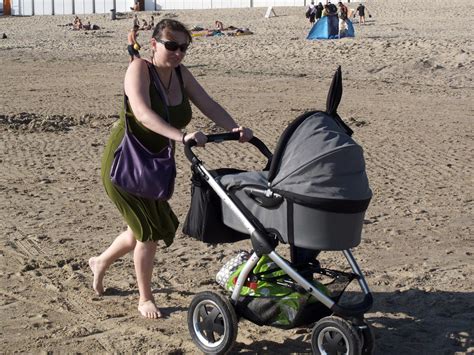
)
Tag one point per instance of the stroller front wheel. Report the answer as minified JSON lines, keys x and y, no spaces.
{"x":334,"y":335}
{"x":212,"y":323}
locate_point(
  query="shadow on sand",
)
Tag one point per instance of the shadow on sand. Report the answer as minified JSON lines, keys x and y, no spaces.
{"x":409,"y":322}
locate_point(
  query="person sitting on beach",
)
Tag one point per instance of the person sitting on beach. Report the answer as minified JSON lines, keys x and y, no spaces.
{"x":219,"y":25}
{"x":152,"y":22}
{"x":136,"y":6}
{"x":89,"y":26}
{"x":133,"y":46}
{"x":77,"y":25}
{"x":136,"y":21}
{"x":145,"y":26}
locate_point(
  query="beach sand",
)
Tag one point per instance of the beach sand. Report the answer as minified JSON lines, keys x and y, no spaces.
{"x":408,"y":95}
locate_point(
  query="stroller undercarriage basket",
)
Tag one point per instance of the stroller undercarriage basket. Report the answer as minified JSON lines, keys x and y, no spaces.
{"x":279,"y":302}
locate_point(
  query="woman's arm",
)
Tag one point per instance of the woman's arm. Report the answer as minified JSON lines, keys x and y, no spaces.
{"x":211,"y":108}
{"x":205,"y":103}
{"x":137,"y":84}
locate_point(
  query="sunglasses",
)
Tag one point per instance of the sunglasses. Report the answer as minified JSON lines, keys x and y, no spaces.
{"x":174,"y":46}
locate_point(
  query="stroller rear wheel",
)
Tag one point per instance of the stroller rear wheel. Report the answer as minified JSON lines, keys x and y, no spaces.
{"x":212,"y":323}
{"x":334,"y":335}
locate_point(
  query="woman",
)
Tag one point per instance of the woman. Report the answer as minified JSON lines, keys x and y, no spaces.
{"x":150,"y":221}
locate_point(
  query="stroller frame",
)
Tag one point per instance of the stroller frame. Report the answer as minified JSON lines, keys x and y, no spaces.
{"x":347,"y":320}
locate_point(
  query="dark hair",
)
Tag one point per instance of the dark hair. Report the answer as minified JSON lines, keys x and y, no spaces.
{"x":170,"y":25}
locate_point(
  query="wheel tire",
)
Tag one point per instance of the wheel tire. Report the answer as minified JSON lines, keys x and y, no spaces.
{"x":212,"y":323}
{"x":368,"y":339}
{"x":334,"y":335}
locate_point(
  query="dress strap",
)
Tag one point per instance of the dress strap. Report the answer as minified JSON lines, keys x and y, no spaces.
{"x":180,"y":77}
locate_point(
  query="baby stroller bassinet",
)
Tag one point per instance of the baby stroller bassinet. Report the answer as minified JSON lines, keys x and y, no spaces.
{"x":316,"y":192}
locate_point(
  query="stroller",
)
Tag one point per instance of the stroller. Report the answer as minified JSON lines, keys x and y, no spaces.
{"x":312,"y":195}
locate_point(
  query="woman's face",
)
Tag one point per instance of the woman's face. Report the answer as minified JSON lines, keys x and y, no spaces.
{"x":169,"y":48}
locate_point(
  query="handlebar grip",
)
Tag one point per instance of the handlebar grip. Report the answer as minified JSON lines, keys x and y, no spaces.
{"x":220,"y":137}
{"x":231,"y":136}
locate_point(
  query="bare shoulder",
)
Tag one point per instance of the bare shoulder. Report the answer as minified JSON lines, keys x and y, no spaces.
{"x":137,"y":74}
{"x":138,"y":65}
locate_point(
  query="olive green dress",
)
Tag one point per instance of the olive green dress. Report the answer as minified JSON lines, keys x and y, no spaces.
{"x":150,"y":220}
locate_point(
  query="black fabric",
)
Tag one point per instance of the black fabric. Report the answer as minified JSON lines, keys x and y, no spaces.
{"x":204,"y":219}
{"x":180,"y":76}
{"x":265,"y":310}
{"x":325,"y":204}
{"x":291,"y":223}
{"x":284,"y":138}
{"x":334,"y":93}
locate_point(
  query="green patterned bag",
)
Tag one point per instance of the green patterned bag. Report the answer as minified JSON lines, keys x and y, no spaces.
{"x":269,"y":297}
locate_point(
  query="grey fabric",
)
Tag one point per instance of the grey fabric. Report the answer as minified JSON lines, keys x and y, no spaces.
{"x":258,"y":178}
{"x":321,"y":161}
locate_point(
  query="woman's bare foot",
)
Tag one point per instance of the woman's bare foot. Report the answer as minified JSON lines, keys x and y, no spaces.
{"x":148,"y":309}
{"x":98,"y":270}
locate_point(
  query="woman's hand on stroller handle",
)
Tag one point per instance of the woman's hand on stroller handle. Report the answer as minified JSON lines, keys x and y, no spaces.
{"x":198,"y":138}
{"x":245,"y":134}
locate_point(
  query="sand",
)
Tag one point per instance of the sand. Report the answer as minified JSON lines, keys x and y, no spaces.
{"x":408,"y":95}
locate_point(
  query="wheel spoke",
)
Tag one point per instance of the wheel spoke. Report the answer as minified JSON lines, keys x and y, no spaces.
{"x":209,"y":335}
{"x":214,"y":314}
{"x":219,"y":328}
{"x":328,"y":337}
{"x":337,"y":338}
{"x":203,"y":312}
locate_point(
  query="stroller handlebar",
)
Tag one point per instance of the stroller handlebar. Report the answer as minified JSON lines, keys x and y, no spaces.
{"x":231,"y":136}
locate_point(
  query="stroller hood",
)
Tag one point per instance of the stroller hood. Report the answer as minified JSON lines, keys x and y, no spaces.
{"x":317,"y":161}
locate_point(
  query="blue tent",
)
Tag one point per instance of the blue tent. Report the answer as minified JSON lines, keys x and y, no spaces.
{"x":328,"y":28}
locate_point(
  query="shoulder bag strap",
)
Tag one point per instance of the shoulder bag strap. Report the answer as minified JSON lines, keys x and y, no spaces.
{"x":157,"y":83}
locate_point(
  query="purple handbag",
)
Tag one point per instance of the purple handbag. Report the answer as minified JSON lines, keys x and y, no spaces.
{"x":137,"y":170}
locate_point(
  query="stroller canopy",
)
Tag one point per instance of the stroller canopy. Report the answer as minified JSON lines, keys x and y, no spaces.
{"x":317,"y":161}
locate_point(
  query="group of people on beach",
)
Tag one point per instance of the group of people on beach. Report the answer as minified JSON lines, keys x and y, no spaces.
{"x":78,"y":25}
{"x":316,"y":12}
{"x":133,"y":47}
{"x":145,"y":26}
{"x":220,"y":30}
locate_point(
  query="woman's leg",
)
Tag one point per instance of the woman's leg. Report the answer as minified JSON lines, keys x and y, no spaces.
{"x":123,"y":244}
{"x":144,"y":256}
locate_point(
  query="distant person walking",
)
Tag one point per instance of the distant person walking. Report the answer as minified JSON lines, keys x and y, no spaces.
{"x":133,"y":46}
{"x":311,"y":13}
{"x":361,"y":9}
